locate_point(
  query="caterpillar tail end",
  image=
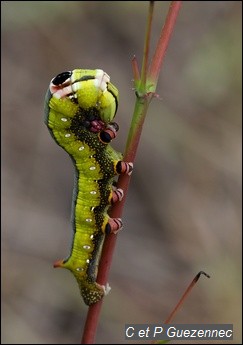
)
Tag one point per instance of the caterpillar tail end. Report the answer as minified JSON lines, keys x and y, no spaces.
{"x":93,"y":293}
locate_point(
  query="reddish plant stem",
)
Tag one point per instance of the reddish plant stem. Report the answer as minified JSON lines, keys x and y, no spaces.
{"x":140,"y":110}
{"x":184,"y":296}
{"x":164,"y":39}
{"x":181,"y":301}
{"x":91,"y":323}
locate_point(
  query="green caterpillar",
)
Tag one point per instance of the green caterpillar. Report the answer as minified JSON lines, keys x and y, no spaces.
{"x":79,"y":108}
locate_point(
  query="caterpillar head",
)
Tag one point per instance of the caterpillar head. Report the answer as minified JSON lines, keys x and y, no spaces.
{"x":89,"y":89}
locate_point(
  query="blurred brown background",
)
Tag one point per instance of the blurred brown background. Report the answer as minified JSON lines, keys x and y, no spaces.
{"x":183,"y":212}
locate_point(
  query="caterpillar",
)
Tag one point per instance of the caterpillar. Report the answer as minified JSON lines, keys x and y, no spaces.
{"x":80,"y":106}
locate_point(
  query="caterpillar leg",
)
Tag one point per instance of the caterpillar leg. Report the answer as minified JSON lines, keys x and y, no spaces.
{"x":113,"y":226}
{"x":108,"y":134}
{"x":117,"y":194}
{"x":124,"y":168}
{"x":106,"y":288}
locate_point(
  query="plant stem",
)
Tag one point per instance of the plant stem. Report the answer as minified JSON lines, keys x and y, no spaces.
{"x":162,"y":45}
{"x":144,"y":89}
{"x":185,"y":295}
{"x":146,"y":44}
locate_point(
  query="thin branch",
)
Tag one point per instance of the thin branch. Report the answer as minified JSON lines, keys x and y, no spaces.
{"x":146,"y":44}
{"x":184,"y":296}
{"x":179,"y":304}
{"x":164,"y":39}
